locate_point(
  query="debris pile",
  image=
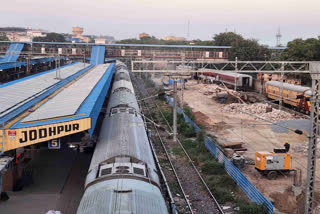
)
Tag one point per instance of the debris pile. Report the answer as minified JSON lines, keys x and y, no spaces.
{"x":304,"y":149}
{"x":260,"y":110}
{"x":221,"y":91}
{"x":210,"y":89}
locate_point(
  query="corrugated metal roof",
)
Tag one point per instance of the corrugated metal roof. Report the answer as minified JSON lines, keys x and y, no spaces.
{"x":137,"y":197}
{"x":68,"y":101}
{"x":15,"y":95}
{"x":292,"y":87}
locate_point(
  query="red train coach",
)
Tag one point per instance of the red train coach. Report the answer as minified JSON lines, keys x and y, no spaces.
{"x":238,"y":80}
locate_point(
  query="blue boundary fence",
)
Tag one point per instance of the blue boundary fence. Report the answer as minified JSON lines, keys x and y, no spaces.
{"x":243,"y":182}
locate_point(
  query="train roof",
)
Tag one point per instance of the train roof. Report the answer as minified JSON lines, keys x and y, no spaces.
{"x":122,"y":196}
{"x":291,"y":87}
{"x":122,"y":84}
{"x":121,"y":75}
{"x":122,"y":97}
{"x":123,"y":135}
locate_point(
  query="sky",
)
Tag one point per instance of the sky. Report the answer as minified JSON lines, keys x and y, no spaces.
{"x":122,"y":19}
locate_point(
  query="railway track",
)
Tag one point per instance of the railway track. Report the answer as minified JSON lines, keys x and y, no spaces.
{"x":196,"y":194}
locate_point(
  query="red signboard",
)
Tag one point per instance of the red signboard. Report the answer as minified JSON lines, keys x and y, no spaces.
{"x":12,"y":133}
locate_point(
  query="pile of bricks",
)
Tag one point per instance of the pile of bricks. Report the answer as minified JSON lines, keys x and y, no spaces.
{"x":260,"y":110}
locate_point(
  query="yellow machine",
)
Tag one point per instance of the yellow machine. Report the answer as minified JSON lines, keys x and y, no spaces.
{"x":270,"y":163}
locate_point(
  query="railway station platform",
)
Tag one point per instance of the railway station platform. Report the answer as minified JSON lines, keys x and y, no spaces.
{"x":58,"y":177}
{"x":53,"y":104}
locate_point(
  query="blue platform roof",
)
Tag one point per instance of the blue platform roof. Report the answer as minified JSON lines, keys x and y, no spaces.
{"x":97,"y":55}
{"x":90,"y":107}
{"x":12,"y":53}
{"x":30,"y":102}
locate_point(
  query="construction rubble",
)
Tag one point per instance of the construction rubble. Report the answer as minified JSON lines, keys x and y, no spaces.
{"x":259,"y":110}
{"x":233,"y":96}
{"x":304,"y":149}
{"x":210,"y":89}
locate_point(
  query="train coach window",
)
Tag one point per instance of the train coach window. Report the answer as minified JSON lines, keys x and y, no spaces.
{"x":122,"y":191}
{"x":122,"y":167}
{"x":122,"y":110}
{"x":138,"y":171}
{"x":106,"y":171}
{"x":122,"y":171}
{"x":131,"y":111}
{"x":114,"y":111}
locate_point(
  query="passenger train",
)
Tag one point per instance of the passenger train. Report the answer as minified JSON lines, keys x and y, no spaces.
{"x":122,"y":177}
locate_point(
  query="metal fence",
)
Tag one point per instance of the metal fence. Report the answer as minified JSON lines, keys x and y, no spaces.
{"x":243,"y":182}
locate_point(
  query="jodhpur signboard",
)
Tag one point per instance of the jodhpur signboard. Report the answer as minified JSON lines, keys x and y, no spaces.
{"x":16,"y":138}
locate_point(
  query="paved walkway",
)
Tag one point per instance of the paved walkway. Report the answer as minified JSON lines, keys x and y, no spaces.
{"x":59,"y":177}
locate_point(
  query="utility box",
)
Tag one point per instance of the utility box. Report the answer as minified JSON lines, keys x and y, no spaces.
{"x":269,"y":163}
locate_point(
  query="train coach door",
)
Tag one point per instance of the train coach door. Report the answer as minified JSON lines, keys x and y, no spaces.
{"x":246,"y":82}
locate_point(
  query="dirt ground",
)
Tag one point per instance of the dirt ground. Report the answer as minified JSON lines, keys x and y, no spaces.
{"x":256,"y":135}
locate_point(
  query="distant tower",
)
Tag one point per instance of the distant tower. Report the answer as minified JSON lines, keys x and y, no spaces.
{"x":278,"y":36}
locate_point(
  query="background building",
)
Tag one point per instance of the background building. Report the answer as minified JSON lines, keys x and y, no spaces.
{"x":174,"y":38}
{"x":143,"y":35}
{"x":22,"y":34}
{"x":77,"y":35}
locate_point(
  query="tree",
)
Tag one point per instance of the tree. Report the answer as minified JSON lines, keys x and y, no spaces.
{"x":152,"y":40}
{"x":204,"y":43}
{"x":50,"y":37}
{"x":226,"y":39}
{"x":3,"y":37}
{"x":248,"y":49}
{"x":302,"y":50}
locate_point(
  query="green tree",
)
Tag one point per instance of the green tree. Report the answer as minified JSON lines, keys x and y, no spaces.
{"x":3,"y":37}
{"x":204,"y":43}
{"x":302,"y":50}
{"x":226,"y":39}
{"x":50,"y":37}
{"x":248,"y":49}
{"x":152,"y":40}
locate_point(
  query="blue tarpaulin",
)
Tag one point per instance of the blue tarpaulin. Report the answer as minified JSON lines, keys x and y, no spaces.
{"x":171,"y":81}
